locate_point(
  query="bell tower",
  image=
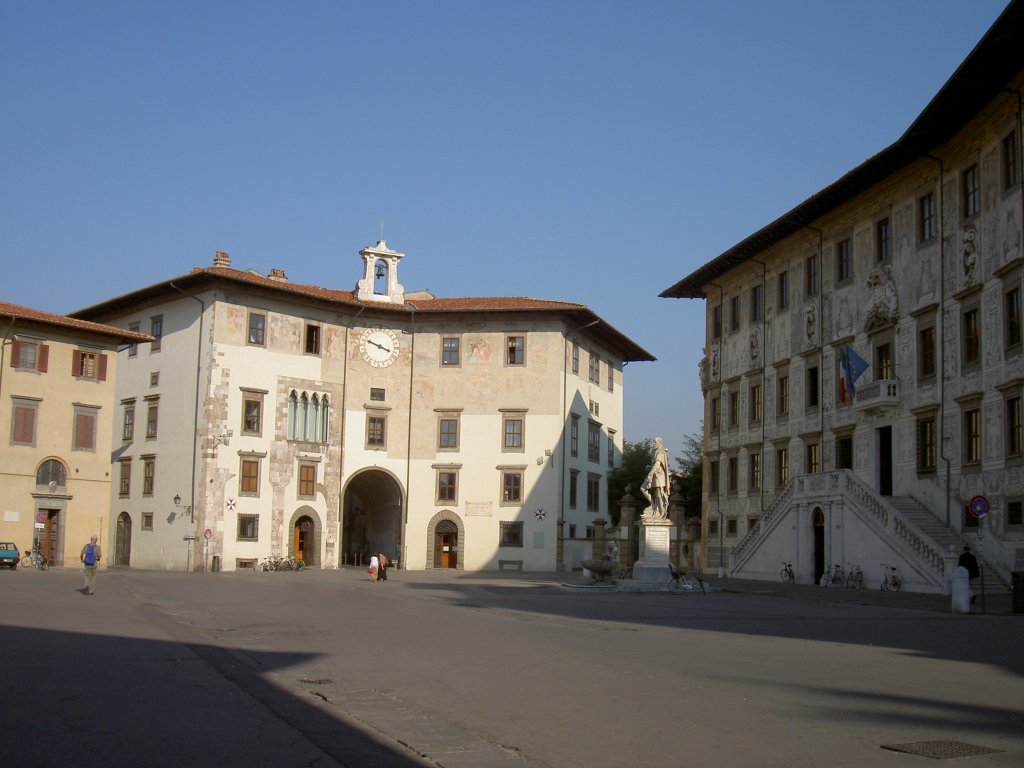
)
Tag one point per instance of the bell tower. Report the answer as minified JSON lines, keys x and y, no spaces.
{"x":380,"y":275}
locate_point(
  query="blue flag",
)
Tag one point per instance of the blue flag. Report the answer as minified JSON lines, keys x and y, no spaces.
{"x":851,"y":368}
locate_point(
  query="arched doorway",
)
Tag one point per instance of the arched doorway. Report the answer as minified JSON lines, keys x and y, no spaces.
{"x":446,"y":545}
{"x":304,"y":540}
{"x":371,"y":517}
{"x":123,"y":540}
{"x":818,"y":522}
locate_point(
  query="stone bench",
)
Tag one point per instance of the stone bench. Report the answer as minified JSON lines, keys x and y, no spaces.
{"x":516,"y":564}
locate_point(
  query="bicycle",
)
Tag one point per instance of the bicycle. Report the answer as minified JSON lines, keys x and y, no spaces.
{"x":33,"y":558}
{"x":683,"y":582}
{"x":855,"y":578}
{"x":835,"y":578}
{"x":890,"y":579}
{"x":268,"y":565}
{"x":787,"y":575}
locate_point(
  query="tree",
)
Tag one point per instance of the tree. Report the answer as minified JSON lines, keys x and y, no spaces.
{"x":690,"y":478}
{"x":637,"y":459}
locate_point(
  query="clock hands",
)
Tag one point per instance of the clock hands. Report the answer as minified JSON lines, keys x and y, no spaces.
{"x":379,"y":346}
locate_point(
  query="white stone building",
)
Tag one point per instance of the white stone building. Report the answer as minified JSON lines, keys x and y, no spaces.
{"x":912,"y":262}
{"x":276,"y":419}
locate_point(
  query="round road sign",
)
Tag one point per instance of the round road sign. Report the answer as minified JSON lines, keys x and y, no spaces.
{"x":207,"y":533}
{"x":979,"y":506}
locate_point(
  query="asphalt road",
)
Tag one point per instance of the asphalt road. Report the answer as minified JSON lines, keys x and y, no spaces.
{"x":441,"y":668}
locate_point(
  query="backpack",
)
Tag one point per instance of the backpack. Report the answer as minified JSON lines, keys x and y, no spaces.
{"x":90,"y":555}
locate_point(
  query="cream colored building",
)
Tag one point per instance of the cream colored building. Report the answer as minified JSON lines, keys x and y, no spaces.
{"x":57,"y":405}
{"x":277,"y":419}
{"x":913,"y":262}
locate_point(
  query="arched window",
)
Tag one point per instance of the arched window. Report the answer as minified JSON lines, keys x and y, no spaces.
{"x":293,"y":409}
{"x":302,"y":419}
{"x":324,"y":419}
{"x":51,"y":471}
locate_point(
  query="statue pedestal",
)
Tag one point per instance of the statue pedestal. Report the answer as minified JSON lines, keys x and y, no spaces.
{"x":653,"y":567}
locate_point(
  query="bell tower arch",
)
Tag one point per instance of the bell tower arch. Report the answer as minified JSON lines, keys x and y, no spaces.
{"x":380,"y":275}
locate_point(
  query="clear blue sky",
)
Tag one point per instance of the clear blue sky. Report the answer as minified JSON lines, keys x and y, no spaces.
{"x":584,"y":151}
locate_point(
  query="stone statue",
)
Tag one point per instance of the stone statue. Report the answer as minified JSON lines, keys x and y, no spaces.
{"x":970,"y":257}
{"x":882,"y":303}
{"x":611,"y":552}
{"x":655,"y":485}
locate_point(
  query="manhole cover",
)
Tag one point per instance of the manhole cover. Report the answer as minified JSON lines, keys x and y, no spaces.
{"x":940,"y":749}
{"x":322,"y":681}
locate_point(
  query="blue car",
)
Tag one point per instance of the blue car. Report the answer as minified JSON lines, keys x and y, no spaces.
{"x":9,"y":555}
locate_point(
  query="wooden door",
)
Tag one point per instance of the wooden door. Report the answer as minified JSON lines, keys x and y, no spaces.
{"x":49,"y":536}
{"x":123,"y":540}
{"x":302,"y":541}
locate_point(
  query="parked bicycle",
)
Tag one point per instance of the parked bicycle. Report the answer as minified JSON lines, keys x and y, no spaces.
{"x":835,"y":578}
{"x":786,"y":574}
{"x":33,"y":557}
{"x":684,"y":582}
{"x":855,"y":577}
{"x":890,"y":579}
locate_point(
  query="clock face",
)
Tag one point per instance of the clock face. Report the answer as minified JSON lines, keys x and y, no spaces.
{"x":378,"y":346}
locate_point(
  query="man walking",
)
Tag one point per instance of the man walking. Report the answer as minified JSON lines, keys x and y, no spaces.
{"x":970,"y":563}
{"x":90,"y":559}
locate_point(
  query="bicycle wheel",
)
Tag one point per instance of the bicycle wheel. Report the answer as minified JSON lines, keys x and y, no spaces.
{"x":784,"y":575}
{"x":858,"y":580}
{"x":26,"y":560}
{"x":300,"y":565}
{"x":675,"y":586}
{"x":895,"y":584}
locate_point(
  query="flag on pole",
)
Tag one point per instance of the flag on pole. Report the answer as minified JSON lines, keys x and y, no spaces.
{"x":851,"y":368}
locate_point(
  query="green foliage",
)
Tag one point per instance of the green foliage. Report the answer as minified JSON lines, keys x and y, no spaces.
{"x":637,"y":459}
{"x":691,"y":474}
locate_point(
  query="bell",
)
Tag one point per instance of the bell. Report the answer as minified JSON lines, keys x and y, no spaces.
{"x":380,"y":271}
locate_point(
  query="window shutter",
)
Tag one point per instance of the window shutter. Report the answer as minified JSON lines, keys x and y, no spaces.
{"x":102,"y":368}
{"x":15,"y":353}
{"x":43,"y":358}
{"x":85,"y":428}
{"x":76,"y":362}
{"x":24,"y":425}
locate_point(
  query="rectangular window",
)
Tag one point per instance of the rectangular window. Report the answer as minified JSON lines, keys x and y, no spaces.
{"x":575,"y":358}
{"x":734,"y":409}
{"x":783,"y":290}
{"x":754,"y":463}
{"x":716,"y":414}
{"x":927,"y":224}
{"x":152,"y":418}
{"x":595,"y":368}
{"x":730,"y":526}
{"x":593,"y":442}
{"x":971,"y":338}
{"x":128,"y":425}
{"x":611,"y":377}
{"x":512,"y":431}
{"x":844,"y":452}
{"x":511,"y":486}
{"x":1015,"y":514}
{"x":813,"y":387}
{"x":376,"y":427}
{"x":712,"y":529}
{"x":734,"y":314}
{"x":23,"y":421}
{"x":574,"y":476}
{"x":249,"y":481}
{"x":154,"y":379}
{"x":307,"y":480}
{"x":755,"y":404}
{"x":450,"y":351}
{"x":378,"y":394}
{"x":593,"y":492}
{"x":783,"y":404}
{"x":926,"y":352}
{"x":1014,"y":424}
{"x":252,"y":413}
{"x":511,"y":533}
{"x":971,"y":192}
{"x":733,"y":480}
{"x":844,"y":261}
{"x":781,"y":466}
{"x":574,"y":436}
{"x":148,"y":474}
{"x":926,"y":446}
{"x":447,"y":486}
{"x":611,"y":448}
{"x":248,"y":527}
{"x":972,"y":436}
{"x":813,"y":458}
{"x":883,"y":362}
{"x":257,"y":329}
{"x":133,"y":347}
{"x":88,"y":365}
{"x":756,"y":303}
{"x":716,"y":322}
{"x":124,"y":486}
{"x":448,"y":433}
{"x":515,"y":350}
{"x":312,"y":339}
{"x":714,"y":479}
{"x":812,"y":276}
{"x":883,"y":240}
{"x":156,"y":330}
{"x":1012,"y":315}
{"x":29,"y":355}
{"x":147,"y":521}
{"x":85,"y":419}
{"x":1010,"y":161}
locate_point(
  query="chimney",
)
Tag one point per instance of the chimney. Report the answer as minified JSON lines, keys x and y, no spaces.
{"x":222,"y":259}
{"x":278,"y":275}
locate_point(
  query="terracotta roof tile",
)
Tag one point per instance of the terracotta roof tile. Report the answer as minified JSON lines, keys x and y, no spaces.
{"x":17,"y":312}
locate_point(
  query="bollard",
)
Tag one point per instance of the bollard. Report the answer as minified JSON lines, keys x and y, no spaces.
{"x":961,"y":591}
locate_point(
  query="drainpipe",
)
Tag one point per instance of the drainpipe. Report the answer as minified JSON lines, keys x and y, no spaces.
{"x":195,"y":411}
{"x":942,"y":344}
{"x":408,"y":443}
{"x":718,"y":434}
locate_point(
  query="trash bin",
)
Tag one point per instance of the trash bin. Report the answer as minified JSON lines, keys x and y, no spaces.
{"x":216,"y":563}
{"x":1017,"y":583}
